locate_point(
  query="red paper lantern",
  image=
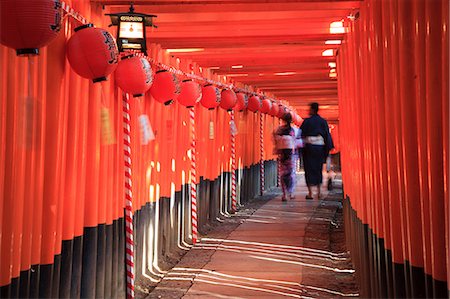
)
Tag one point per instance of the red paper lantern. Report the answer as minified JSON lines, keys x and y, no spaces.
{"x":92,"y":52}
{"x":165,"y":88}
{"x":282,"y":111}
{"x":266,"y":104}
{"x":210,"y":96}
{"x":228,"y":99}
{"x":254,"y":103}
{"x":28,"y":25}
{"x":274,"y":109}
{"x":190,"y":94}
{"x":134,"y":75}
{"x":242,"y":101}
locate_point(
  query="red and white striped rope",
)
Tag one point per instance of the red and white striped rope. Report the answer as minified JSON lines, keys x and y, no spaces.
{"x":233,"y":164}
{"x":193,"y":177}
{"x":261,"y":145}
{"x":71,"y":12}
{"x":279,"y":166}
{"x":128,"y":198}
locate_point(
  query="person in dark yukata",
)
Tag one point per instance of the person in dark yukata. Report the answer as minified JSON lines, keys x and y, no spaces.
{"x":317,"y":145}
{"x":285,"y":143}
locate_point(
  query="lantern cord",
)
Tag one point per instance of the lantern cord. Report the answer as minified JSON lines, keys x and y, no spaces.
{"x":69,"y":11}
{"x":193,"y":76}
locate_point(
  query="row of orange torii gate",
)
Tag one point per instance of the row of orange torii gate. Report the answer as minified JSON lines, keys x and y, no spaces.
{"x":181,"y":153}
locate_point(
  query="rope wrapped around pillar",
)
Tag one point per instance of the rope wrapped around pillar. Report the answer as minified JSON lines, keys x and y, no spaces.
{"x":278,"y":170}
{"x":261,"y":145}
{"x":193,"y":177}
{"x":128,"y":198}
{"x":233,"y":164}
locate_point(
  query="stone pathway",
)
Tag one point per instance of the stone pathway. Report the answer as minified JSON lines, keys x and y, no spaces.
{"x":277,"y":250}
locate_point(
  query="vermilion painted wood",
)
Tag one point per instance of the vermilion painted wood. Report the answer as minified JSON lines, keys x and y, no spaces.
{"x":419,"y":48}
{"x":384,"y":239}
{"x":9,"y":179}
{"x":445,"y":117}
{"x":393,"y":211}
{"x":396,"y":120}
{"x":408,"y":98}
{"x":364,"y":124}
{"x":54,"y":155}
{"x":434,"y":130}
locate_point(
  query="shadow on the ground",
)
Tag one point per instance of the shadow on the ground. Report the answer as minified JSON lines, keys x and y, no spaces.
{"x":326,"y":269}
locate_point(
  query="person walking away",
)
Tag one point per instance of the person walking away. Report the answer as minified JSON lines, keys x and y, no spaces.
{"x":317,"y":145}
{"x":285,"y":143}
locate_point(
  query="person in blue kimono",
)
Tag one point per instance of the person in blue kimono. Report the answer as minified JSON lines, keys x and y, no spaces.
{"x":317,"y":145}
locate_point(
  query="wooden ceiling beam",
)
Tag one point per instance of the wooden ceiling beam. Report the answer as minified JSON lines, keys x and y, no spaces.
{"x":265,"y":36}
{"x":261,"y":61}
{"x":271,"y":69}
{"x":157,"y":7}
{"x":241,"y":42}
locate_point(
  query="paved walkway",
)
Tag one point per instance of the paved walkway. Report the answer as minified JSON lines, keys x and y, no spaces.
{"x":266,"y":256}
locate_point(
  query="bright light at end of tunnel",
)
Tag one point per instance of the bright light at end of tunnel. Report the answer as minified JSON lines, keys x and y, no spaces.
{"x":332,"y":64}
{"x":236,"y":75}
{"x":333,"y":42}
{"x":185,"y":50}
{"x":337,"y":27}
{"x":333,"y":75}
{"x":332,"y":71}
{"x":328,"y":52}
{"x":285,"y":74}
{"x":237,"y":66}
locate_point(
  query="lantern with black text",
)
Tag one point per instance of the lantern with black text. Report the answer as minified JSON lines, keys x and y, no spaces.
{"x":134,"y":75}
{"x":190,"y":94}
{"x":254,"y":103}
{"x":27,"y":25}
{"x":210,"y":96}
{"x":266,"y":104}
{"x":242,"y":101}
{"x":165,"y":88}
{"x":92,"y":53}
{"x":228,"y":99}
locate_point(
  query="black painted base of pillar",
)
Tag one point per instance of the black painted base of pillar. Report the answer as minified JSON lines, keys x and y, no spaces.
{"x":377,"y":274}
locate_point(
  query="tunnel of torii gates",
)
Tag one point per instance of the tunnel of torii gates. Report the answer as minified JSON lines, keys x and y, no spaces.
{"x":101,"y":180}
